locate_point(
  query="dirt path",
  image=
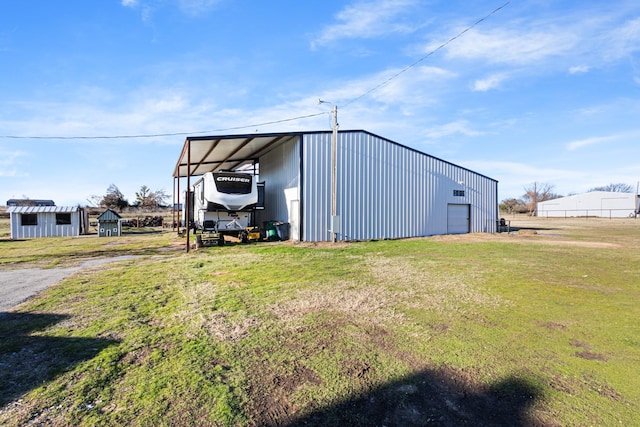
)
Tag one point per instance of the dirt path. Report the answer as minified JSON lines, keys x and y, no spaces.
{"x":17,"y":286}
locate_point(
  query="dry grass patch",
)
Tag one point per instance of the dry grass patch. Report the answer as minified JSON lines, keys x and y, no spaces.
{"x":430,"y":289}
{"x":350,"y":298}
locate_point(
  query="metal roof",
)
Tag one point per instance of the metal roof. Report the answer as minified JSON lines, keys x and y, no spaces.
{"x":42,"y":209}
{"x":30,"y":202}
{"x":228,"y":152}
{"x":109,"y":215}
{"x":201,"y":154}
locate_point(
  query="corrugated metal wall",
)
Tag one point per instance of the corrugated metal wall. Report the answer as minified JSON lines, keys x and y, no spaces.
{"x":46,"y":226}
{"x":280,"y":170}
{"x":386,"y":190}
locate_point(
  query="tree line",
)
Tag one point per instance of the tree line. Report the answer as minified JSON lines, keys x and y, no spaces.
{"x":146,"y":198}
{"x":541,"y":192}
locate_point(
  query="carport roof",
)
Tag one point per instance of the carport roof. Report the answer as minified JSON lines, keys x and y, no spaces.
{"x":201,"y":154}
{"x":42,"y":209}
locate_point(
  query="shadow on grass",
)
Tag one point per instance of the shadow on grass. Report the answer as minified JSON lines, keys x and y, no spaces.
{"x":512,"y":229}
{"x":27,"y":361}
{"x":141,"y":230}
{"x":444,"y":398}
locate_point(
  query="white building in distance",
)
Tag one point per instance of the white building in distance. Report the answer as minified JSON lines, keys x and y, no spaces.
{"x":606,"y":204}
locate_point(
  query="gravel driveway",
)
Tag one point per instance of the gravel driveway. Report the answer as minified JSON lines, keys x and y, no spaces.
{"x":17,"y":286}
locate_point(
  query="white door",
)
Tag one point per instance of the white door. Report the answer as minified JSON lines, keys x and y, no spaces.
{"x":458,"y":219}
{"x":294,"y":220}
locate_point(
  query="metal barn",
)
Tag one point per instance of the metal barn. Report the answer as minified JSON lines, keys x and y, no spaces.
{"x":383,"y":190}
{"x":47,"y":221}
{"x":607,"y":204}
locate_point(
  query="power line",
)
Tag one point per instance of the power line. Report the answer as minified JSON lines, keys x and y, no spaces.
{"x":443,"y":45}
{"x":158,"y":135}
{"x":373,"y":89}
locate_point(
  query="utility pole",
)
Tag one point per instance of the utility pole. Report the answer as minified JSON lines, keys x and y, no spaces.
{"x":635,"y":214}
{"x":334,"y":175}
{"x":335,"y":219}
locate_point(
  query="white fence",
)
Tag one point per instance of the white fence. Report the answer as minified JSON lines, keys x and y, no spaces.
{"x":586,"y":213}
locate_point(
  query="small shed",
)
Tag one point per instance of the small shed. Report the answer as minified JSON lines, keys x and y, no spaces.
{"x":47,"y":221}
{"x":109,"y":224}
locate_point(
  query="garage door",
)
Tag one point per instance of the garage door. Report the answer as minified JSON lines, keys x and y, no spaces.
{"x":458,"y":219}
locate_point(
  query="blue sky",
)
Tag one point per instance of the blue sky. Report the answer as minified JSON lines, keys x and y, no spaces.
{"x":541,"y":91}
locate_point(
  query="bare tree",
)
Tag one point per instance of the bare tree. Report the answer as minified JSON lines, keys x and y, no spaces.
{"x":617,"y":188}
{"x":513,"y":205}
{"x":146,"y":198}
{"x":114,"y":198}
{"x":538,"y":192}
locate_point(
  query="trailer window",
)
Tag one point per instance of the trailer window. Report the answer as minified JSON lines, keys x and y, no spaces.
{"x":233,"y":183}
{"x":29,"y":219}
{"x":63,"y":219}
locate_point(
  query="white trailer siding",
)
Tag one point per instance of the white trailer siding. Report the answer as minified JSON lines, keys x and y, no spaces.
{"x":386,"y":190}
{"x":605,"y":204}
{"x":45,"y":221}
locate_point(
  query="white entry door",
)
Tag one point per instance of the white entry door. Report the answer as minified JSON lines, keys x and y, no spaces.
{"x":294,"y":219}
{"x":458,"y":219}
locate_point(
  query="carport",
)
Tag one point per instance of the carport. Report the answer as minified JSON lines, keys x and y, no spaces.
{"x":202,"y":154}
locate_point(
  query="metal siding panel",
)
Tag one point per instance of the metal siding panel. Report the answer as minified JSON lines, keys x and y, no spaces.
{"x":46,"y":226}
{"x":386,"y":190}
{"x":280,"y":170}
{"x":15,"y":231}
{"x":317,"y":186}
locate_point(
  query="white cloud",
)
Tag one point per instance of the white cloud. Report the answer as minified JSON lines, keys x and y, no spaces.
{"x":143,"y":113}
{"x":511,"y":46}
{"x":192,"y":8}
{"x":488,"y":83}
{"x":592,"y":34}
{"x":459,"y":127}
{"x":197,"y":7}
{"x":366,"y":20}
{"x":574,"y":145}
{"x":623,"y":40}
{"x":579,"y":69}
{"x":418,"y":85}
{"x":9,"y":163}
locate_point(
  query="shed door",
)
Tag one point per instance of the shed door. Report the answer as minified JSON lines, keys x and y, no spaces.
{"x":458,"y":219}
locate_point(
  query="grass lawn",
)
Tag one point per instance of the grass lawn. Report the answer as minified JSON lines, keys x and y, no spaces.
{"x":536,"y":327}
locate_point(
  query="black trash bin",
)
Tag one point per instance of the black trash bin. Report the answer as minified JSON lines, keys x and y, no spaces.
{"x":282,"y":228}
